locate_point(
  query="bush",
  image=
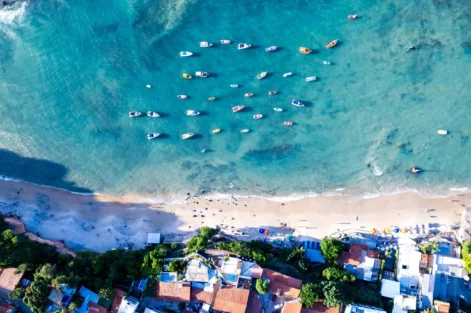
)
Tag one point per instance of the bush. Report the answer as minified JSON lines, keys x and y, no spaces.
{"x":336,"y":274}
{"x":331,"y":249}
{"x":207,"y":232}
{"x":261,"y":286}
{"x":310,"y":294}
{"x":18,"y":293}
{"x":177,"y":266}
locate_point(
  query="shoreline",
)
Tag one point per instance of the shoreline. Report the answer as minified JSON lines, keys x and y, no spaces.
{"x":100,"y":222}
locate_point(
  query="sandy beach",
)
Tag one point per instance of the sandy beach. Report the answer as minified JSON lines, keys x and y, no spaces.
{"x":100,"y":223}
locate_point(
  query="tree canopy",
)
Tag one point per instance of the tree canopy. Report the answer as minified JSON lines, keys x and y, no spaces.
{"x":310,"y":294}
{"x":262,"y":286}
{"x":336,"y":274}
{"x":331,"y":249}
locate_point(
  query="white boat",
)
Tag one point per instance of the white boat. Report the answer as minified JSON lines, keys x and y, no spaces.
{"x":278,"y":109}
{"x":202,"y":74}
{"x":242,"y":46}
{"x":244,"y":130}
{"x":134,"y":114}
{"x":192,"y":113}
{"x":149,"y":86}
{"x":225,"y":41}
{"x":153,"y":135}
{"x":182,"y":96}
{"x":297,"y":103}
{"x":186,"y":54}
{"x":187,"y":135}
{"x":152,"y":114}
{"x":311,"y":78}
{"x":271,"y":49}
{"x":257,"y":116}
{"x":287,"y":74}
{"x":442,"y":132}
{"x":326,"y":62}
{"x":205,"y":44}
{"x":234,"y":86}
{"x":262,"y":75}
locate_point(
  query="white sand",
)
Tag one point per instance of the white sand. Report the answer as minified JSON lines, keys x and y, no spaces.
{"x":100,"y":223}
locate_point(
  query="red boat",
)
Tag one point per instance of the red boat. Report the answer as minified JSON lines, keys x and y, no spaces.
{"x":353,"y":16}
{"x":237,"y":108}
{"x":272,"y":92}
{"x":257,"y":116}
{"x":288,"y":123}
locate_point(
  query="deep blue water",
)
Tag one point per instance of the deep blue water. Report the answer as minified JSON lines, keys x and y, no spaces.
{"x":72,"y":70}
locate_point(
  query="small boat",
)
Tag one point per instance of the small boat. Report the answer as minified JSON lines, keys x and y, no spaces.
{"x":149,"y":86}
{"x":261,"y":75}
{"x":442,"y":132}
{"x":153,"y":135}
{"x":205,"y":44}
{"x":287,"y":74}
{"x":353,"y":16}
{"x":278,"y":109}
{"x":332,"y":44}
{"x":234,"y":86}
{"x":246,"y":130}
{"x":297,"y":103}
{"x":202,"y":74}
{"x":288,"y":123}
{"x":272,"y":92}
{"x":134,"y":114}
{"x":248,"y":94}
{"x":212,"y":98}
{"x":326,"y":62}
{"x":186,"y":76}
{"x":305,"y":50}
{"x":152,"y":114}
{"x":225,"y":41}
{"x":243,"y":46}
{"x":187,"y":135}
{"x":257,"y":116}
{"x":203,"y":151}
{"x":415,"y":170}
{"x":311,"y":78}
{"x":216,"y":131}
{"x":186,"y":54}
{"x":192,"y":113}
{"x":271,"y":49}
{"x":238,"y":108}
{"x":182,"y":96}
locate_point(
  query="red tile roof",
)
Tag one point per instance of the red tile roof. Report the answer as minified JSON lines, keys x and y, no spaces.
{"x":198,"y":294}
{"x":6,"y":308}
{"x":173,"y":291}
{"x":95,"y":308}
{"x":320,"y":307}
{"x":353,"y":257}
{"x":116,"y":302}
{"x":254,"y":305}
{"x":282,"y":284}
{"x":8,"y":278}
{"x":226,"y":300}
{"x":292,"y":307}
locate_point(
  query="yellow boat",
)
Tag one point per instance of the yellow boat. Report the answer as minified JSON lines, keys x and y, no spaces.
{"x":305,"y":50}
{"x":249,"y":95}
{"x":216,"y":131}
{"x":212,"y":98}
{"x":332,"y":44}
{"x":186,"y":76}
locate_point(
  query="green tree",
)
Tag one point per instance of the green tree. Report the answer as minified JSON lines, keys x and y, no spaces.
{"x":197,"y":243}
{"x":177,"y":266}
{"x":259,"y":257}
{"x":45,"y":272}
{"x":76,"y":302}
{"x":310,"y":294}
{"x":336,"y":274}
{"x":333,"y":295}
{"x":331,"y":249}
{"x":105,"y":293}
{"x":207,"y":232}
{"x":262,"y":286}
{"x":36,"y":296}
{"x":18,"y":293}
{"x":298,"y":259}
{"x":174,"y":246}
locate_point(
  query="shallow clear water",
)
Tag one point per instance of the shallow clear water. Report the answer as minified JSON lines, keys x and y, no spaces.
{"x":69,"y":68}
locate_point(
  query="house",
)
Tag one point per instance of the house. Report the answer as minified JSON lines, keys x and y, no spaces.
{"x":226,"y":299}
{"x":404,"y":303}
{"x":409,"y":259}
{"x":442,"y":307}
{"x":173,"y":291}
{"x":116,"y":301}
{"x":153,"y":238}
{"x":88,"y":296}
{"x":6,"y":307}
{"x":230,"y":270}
{"x":128,"y":305}
{"x":390,"y":288}
{"x":450,"y":266}
{"x":282,"y":285}
{"x":61,"y":298}
{"x":292,"y":307}
{"x":320,"y":307}
{"x":428,"y":287}
{"x":360,"y":308}
{"x":197,"y":271}
{"x":95,"y":308}
{"x":313,"y":251}
{"x":426,"y":263}
{"x":251,"y":269}
{"x":9,"y":279}
{"x":253,"y":305}
{"x":361,"y":262}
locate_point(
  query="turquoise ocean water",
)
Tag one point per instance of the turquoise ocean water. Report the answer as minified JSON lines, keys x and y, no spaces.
{"x":69,"y":68}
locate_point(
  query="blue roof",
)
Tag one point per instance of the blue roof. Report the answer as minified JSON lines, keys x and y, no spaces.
{"x":88,"y":296}
{"x":313,"y":252}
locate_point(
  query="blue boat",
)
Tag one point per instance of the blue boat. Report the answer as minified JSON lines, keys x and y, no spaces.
{"x":297,"y":103}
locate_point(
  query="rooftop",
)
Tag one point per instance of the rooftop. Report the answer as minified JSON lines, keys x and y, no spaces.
{"x":8,"y":278}
{"x":251,"y":269}
{"x":244,"y":283}
{"x":196,"y":271}
{"x":153,"y":238}
{"x":88,"y":296}
{"x":226,"y":299}
{"x":362,"y":262}
{"x":442,"y":307}
{"x":7,"y":308}
{"x":128,"y":305}
{"x":449,"y":265}
{"x":95,"y":308}
{"x":408,"y":261}
{"x":292,"y":307}
{"x":253,"y":305}
{"x":320,"y":307}
{"x":313,"y":251}
{"x":173,"y":291}
{"x":56,"y":296}
{"x":404,"y":303}
{"x":390,"y":288}
{"x":359,"y":308}
{"x":428,"y":287}
{"x":282,"y":284}
{"x":116,"y":302}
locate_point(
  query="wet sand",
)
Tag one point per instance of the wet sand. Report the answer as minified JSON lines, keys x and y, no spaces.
{"x":100,"y":223}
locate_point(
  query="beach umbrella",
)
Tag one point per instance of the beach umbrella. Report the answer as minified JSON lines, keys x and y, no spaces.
{"x":261,"y":230}
{"x":404,"y":230}
{"x":373,"y":231}
{"x":387,"y":230}
{"x":266,"y":231}
{"x":396,"y":230}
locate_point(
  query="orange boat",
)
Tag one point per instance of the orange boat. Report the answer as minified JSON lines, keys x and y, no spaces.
{"x":332,"y":44}
{"x":305,"y":50}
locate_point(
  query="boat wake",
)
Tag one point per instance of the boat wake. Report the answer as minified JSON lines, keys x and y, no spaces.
{"x":14,"y":12}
